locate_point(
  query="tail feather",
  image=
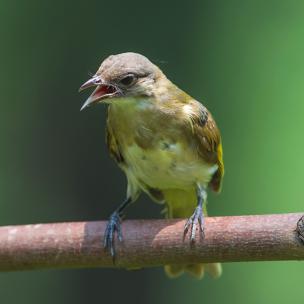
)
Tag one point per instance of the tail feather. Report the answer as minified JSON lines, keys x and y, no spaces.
{"x":174,"y":271}
{"x":195,"y":270}
{"x":214,"y":269}
{"x":182,"y":204}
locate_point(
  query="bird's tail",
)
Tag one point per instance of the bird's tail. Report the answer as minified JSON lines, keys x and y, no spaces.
{"x":181,"y":204}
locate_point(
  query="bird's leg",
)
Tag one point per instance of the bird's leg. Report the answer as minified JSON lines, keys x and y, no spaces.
{"x":197,"y":218}
{"x":114,"y":225}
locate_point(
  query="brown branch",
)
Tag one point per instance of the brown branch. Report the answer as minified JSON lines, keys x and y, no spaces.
{"x":152,"y":243}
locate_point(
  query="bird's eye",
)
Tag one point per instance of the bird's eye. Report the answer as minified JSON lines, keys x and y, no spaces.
{"x":128,"y":80}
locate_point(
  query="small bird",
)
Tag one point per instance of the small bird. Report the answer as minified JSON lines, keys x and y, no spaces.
{"x":166,"y":143}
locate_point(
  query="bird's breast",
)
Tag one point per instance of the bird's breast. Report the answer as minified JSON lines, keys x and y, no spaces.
{"x":156,"y":148}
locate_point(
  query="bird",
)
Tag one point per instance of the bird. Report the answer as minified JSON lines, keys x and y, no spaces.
{"x":166,"y":142}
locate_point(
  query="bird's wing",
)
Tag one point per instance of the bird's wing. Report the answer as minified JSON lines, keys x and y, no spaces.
{"x":112,"y":144}
{"x":209,"y":143}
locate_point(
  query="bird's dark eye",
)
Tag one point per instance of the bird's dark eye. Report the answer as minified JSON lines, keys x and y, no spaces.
{"x":128,"y":80}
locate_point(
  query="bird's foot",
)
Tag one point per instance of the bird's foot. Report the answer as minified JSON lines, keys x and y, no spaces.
{"x":196,"y":219}
{"x":112,"y":226}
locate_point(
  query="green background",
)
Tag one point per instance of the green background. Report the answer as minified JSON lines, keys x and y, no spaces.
{"x":243,"y":59}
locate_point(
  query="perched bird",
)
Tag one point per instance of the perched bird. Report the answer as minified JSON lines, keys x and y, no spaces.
{"x":166,"y":142}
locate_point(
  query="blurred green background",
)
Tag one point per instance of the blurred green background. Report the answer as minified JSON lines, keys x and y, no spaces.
{"x":243,"y":59}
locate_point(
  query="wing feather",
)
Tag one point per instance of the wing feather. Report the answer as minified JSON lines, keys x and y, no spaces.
{"x":209,"y":143}
{"x":113,"y":146}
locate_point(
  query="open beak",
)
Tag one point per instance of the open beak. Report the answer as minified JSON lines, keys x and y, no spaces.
{"x":103,"y":90}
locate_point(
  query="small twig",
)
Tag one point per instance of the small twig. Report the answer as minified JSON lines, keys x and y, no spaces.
{"x":152,"y":243}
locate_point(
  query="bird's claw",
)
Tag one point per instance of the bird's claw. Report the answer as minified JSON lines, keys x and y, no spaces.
{"x":112,"y":226}
{"x":197,"y":218}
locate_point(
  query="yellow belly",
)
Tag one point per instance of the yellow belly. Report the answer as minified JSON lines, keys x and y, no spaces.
{"x":167,"y":166}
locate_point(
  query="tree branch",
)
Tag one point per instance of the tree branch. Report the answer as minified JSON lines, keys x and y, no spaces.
{"x":152,"y":243}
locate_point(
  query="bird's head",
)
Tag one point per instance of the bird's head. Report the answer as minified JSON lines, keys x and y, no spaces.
{"x":122,"y":75}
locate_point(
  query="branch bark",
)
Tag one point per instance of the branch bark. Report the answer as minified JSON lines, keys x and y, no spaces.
{"x":152,"y":243}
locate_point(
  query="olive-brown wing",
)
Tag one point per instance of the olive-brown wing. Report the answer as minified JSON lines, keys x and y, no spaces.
{"x":209,"y":145}
{"x":112,"y":144}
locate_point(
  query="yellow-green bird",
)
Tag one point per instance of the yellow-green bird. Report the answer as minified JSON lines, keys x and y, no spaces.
{"x":166,"y":142}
